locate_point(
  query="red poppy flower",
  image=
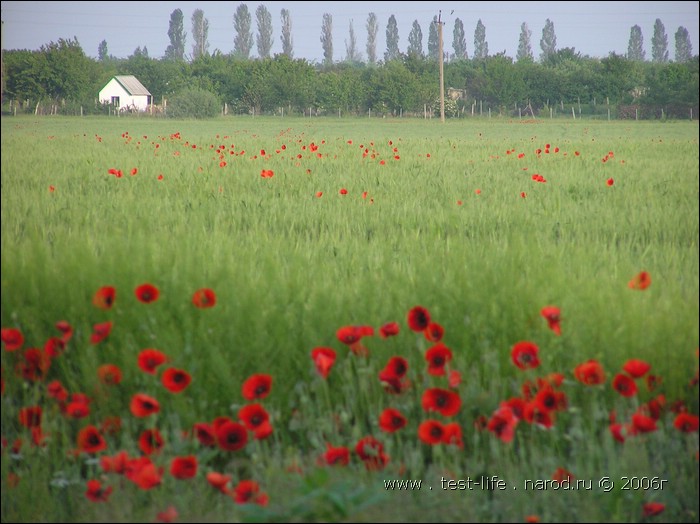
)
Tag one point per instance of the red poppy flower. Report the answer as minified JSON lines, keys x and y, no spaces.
{"x":319,"y":194}
{"x":643,"y":424}
{"x":65,"y":328}
{"x":219,"y":481}
{"x":624,"y":385}
{"x":418,"y":319}
{"x":100,"y":332}
{"x":590,"y":373}
{"x":232,"y":436}
{"x":617,"y":432}
{"x":434,"y":332}
{"x":249,"y":491}
{"x":257,"y":387}
{"x":204,"y":298}
{"x":371,"y":452}
{"x":343,"y":191}
{"x":205,"y":433}
{"x":147,"y":293}
{"x":524,"y":355}
{"x":151,"y":441}
{"x":547,"y":399}
{"x":144,"y":473}
{"x":143,"y":405}
{"x":532,"y":519}
{"x":610,"y":182}
{"x":389,"y":329}
{"x":503,"y":423}
{"x":175,"y":380}
{"x":170,"y":514}
{"x":640,"y":281}
{"x":636,"y":368}
{"x":535,"y":413}
{"x":454,"y":379}
{"x":267,"y":173}
{"x":553,"y":316}
{"x":452,"y":434}
{"x":336,"y":456}
{"x":109,"y":374}
{"x":444,"y":401}
{"x":686,"y":422}
{"x":392,"y":375}
{"x":12,"y":338}
{"x":77,"y":408}
{"x":562,"y":474}
{"x":651,"y":509}
{"x":391,"y":420}
{"x":253,"y":416}
{"x":351,"y":336}
{"x":30,"y":417}
{"x":54,"y":347}
{"x":115,"y":464}
{"x":96,"y":493}
{"x":90,"y":440}
{"x":184,"y":468}
{"x":104,"y":297}
{"x":56,"y":391}
{"x":150,"y":359}
{"x":323,"y":358}
{"x":438,"y":357}
{"x":431,"y":432}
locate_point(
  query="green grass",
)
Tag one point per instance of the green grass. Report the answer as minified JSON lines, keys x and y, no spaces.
{"x":290,"y":268}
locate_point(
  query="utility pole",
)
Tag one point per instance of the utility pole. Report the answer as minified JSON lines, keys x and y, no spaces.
{"x":442,"y":80}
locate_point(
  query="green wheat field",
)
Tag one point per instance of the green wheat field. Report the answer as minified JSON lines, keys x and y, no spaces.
{"x":343,"y":320}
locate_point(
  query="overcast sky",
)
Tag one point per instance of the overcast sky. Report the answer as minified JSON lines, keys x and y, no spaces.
{"x":592,"y":28}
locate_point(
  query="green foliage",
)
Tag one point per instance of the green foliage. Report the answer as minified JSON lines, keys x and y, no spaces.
{"x":548,"y":42}
{"x":635,"y":48}
{"x":194,"y":103}
{"x":459,"y":41}
{"x":392,"y":40}
{"x":286,"y":37}
{"x":659,"y":43}
{"x":177,"y":35}
{"x":481,"y":46}
{"x":372,"y":30}
{"x":264,"y":36}
{"x":243,"y":41}
{"x":415,"y":41}
{"x":327,"y":39}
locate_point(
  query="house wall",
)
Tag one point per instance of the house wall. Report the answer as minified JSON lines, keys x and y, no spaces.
{"x":114,"y":88}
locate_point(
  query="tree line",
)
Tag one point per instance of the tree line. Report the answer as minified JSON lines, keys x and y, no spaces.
{"x":399,"y":83}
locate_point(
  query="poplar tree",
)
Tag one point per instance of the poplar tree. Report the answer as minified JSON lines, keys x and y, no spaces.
{"x":433,"y":40}
{"x":264,"y":38}
{"x":102,"y":53}
{"x":176,"y":33}
{"x":659,"y":43}
{"x":372,"y":30}
{"x":392,"y":40}
{"x":524,"y":47}
{"x":415,"y":40}
{"x":200,"y":30}
{"x":635,"y":48}
{"x":481,"y":47}
{"x":286,"y":38}
{"x":351,"y":53}
{"x":684,"y":47}
{"x":548,"y":43}
{"x":243,"y":41}
{"x":327,"y":39}
{"x":459,"y":41}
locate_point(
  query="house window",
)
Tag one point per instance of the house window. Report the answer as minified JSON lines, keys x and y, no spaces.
{"x":148,"y":100}
{"x":115,"y":101}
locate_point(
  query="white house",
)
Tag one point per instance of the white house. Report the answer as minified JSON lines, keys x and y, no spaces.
{"x":126,"y":92}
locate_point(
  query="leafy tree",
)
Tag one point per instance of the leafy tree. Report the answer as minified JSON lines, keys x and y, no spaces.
{"x":243,"y":41}
{"x":264,"y":38}
{"x":684,"y":47}
{"x":524,"y":47}
{"x":102,"y":53}
{"x":481,"y":47}
{"x":176,"y":33}
{"x":194,"y":103}
{"x":433,"y":40}
{"x":415,"y":40}
{"x":372,"y":30}
{"x":635,"y":48}
{"x":392,"y":40}
{"x":659,"y":43}
{"x":459,"y":41}
{"x":352,"y":54}
{"x":548,"y":42}
{"x":327,"y":39}
{"x":200,"y":30}
{"x":286,"y":38}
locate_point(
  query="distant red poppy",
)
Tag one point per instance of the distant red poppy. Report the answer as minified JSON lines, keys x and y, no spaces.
{"x":431,"y":432}
{"x":323,"y":358}
{"x":351,"y":336}
{"x":444,"y":401}
{"x":90,"y":440}
{"x":218,"y":481}
{"x":204,"y":298}
{"x":525,"y":355}
{"x":636,"y":368}
{"x":438,"y":356}
{"x":169,"y":514}
{"x":143,"y":405}
{"x":418,"y":318}
{"x":371,"y":452}
{"x":151,"y":441}
{"x":343,"y":191}
{"x":104,"y":297}
{"x":100,"y":332}
{"x":175,"y":380}
{"x":147,"y":293}
{"x":454,"y":378}
{"x":642,"y":423}
{"x":590,"y":373}
{"x":253,"y":416}
{"x":109,"y":374}
{"x":267,"y":173}
{"x":248,"y":491}
{"x":66,"y":329}
{"x":232,"y":436}
{"x":54,"y":347}
{"x":319,"y":194}
{"x":12,"y":338}
{"x":184,"y":468}
{"x":536,"y":413}
{"x":503,"y":423}
{"x":30,"y":417}
{"x":651,"y":509}
{"x":149,"y":359}
{"x":205,"y":433}
{"x":562,"y":474}
{"x":336,"y":456}
{"x":553,"y":316}
{"x":257,"y":387}
{"x":434,"y":332}
{"x":640,"y":281}
{"x":452,"y":434}
{"x":610,"y":182}
{"x":389,"y":330}
{"x":624,"y":385}
{"x":686,"y":422}
{"x":77,"y":408}
{"x":391,"y":420}
{"x":134,"y":171}
{"x":144,"y":473}
{"x":56,"y":391}
{"x":96,"y":493}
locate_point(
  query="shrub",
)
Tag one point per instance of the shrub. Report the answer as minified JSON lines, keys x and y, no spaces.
{"x":194,"y":103}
